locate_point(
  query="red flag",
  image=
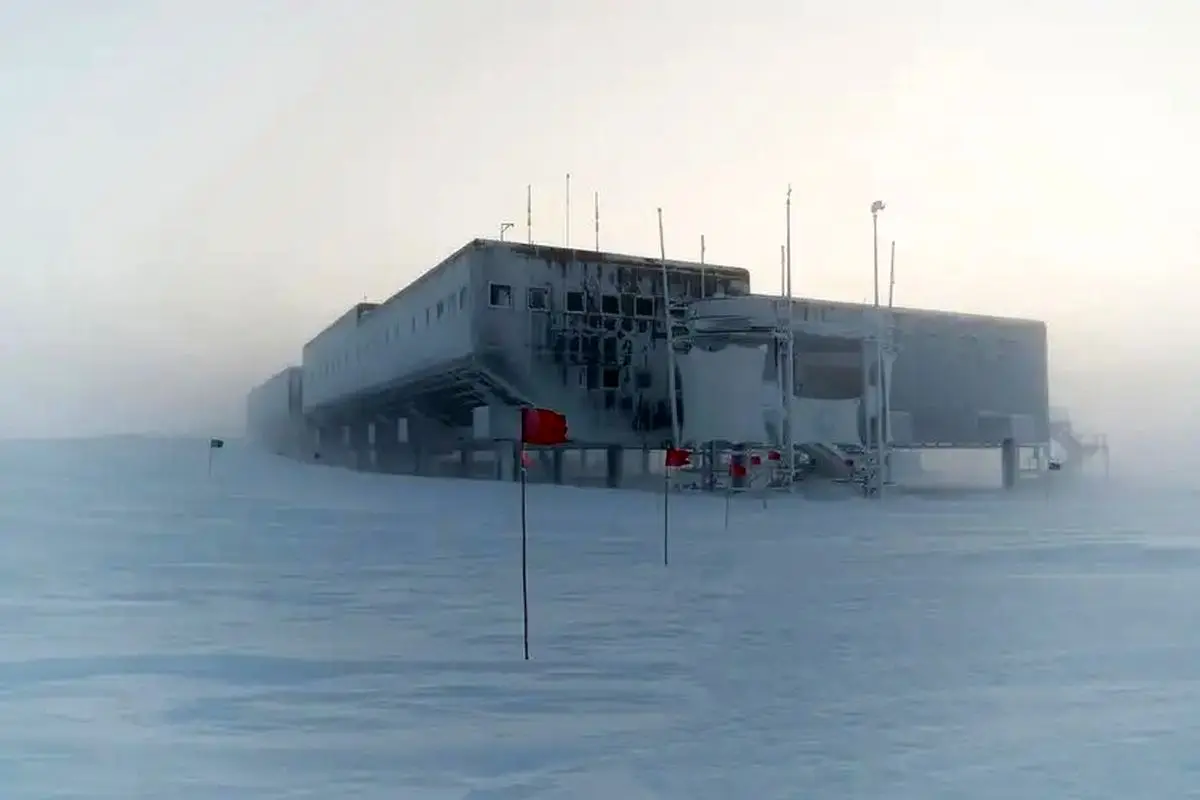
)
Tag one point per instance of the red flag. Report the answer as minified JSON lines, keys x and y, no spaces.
{"x":541,"y":426}
{"x":773,"y":455}
{"x":755,"y":461}
{"x":678,"y":458}
{"x":737,"y":470}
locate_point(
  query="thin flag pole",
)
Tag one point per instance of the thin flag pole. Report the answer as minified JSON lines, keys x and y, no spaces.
{"x":728,"y":494}
{"x":703,"y":282}
{"x":210,"y":459}
{"x":765,"y":484}
{"x":568,"y":219}
{"x":524,"y":545}
{"x":666,"y":512}
{"x":597,"y":217}
{"x":529,"y":213}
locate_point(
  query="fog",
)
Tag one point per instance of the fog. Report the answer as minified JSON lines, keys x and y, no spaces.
{"x":193,"y":190}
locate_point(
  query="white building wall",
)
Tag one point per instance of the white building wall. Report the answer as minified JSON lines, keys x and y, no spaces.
{"x":953,"y":372}
{"x":724,"y":394}
{"x":419,"y":328}
{"x":950,"y":375}
{"x":273,"y":409}
{"x":327,"y":362}
{"x":426,"y":325}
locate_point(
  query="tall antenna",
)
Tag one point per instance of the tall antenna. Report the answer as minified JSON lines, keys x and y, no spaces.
{"x":703,"y":272}
{"x":780,"y":350}
{"x":568,"y":231}
{"x":892,"y":276}
{"x":782,"y":272}
{"x":790,"y":386}
{"x":597,"y":203}
{"x":529,"y":212}
{"x":788,"y":242}
{"x":672,"y":401}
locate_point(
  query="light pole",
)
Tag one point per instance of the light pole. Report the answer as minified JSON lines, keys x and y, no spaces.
{"x":504,"y":226}
{"x":880,"y":425}
{"x":876,"y":207}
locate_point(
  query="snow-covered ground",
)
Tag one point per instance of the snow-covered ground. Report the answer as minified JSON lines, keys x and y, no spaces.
{"x":289,"y":631}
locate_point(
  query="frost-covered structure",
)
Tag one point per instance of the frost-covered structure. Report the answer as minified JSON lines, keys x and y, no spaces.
{"x":497,"y":325}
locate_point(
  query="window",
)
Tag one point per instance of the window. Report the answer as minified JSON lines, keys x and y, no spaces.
{"x":414,"y":323}
{"x":627,"y":305}
{"x":612,"y":379}
{"x":428,"y":312}
{"x":610,"y":304}
{"x":608,"y":350}
{"x":441,"y":309}
{"x":644,"y":306}
{"x":500,"y":295}
{"x":539,"y":298}
{"x":575,"y":302}
{"x":462,"y":297}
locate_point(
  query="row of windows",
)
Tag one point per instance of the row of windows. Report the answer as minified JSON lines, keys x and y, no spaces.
{"x":500,"y":295}
{"x":446,"y":307}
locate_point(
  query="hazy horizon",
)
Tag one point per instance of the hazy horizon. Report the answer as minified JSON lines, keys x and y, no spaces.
{"x":196,"y":189}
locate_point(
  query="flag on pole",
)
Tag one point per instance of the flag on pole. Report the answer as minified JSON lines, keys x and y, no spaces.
{"x":545,"y":428}
{"x":541,"y":426}
{"x":737,"y":470}
{"x":678,"y":458}
{"x":755,"y":460}
{"x":213,"y":444}
{"x":773,"y":455}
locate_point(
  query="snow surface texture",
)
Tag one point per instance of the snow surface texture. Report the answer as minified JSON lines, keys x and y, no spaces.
{"x":281,"y":630}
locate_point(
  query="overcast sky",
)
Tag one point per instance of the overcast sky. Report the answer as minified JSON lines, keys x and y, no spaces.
{"x":191,"y":189}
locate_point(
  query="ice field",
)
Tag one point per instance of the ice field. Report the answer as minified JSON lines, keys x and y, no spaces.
{"x":280,"y":630}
